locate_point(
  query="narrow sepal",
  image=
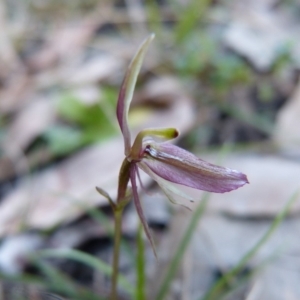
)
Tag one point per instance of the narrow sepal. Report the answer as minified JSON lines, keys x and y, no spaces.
{"x":127,"y":89}
{"x":106,"y":195}
{"x":138,"y":206}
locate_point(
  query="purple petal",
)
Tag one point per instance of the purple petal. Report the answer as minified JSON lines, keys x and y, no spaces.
{"x":180,"y":166}
{"x":167,"y":187}
{"x":127,"y":89}
{"x":138,"y":206}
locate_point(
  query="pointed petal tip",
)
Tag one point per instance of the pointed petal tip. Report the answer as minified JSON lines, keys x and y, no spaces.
{"x":127,"y":89}
{"x":179,"y":166}
{"x":239,"y":181}
{"x":241,"y":176}
{"x":246,"y":179}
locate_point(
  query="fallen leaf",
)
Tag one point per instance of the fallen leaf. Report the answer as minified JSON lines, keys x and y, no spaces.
{"x":286,"y":133}
{"x":273,"y":180}
{"x":257,"y":37}
{"x":95,"y":70}
{"x":30,"y":123}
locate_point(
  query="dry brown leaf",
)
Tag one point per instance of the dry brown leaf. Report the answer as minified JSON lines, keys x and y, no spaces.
{"x":25,"y":127}
{"x":256,"y":36}
{"x":17,"y":92}
{"x":30,"y":123}
{"x":279,"y":281}
{"x":259,"y":32}
{"x":62,"y":192}
{"x":218,"y":244}
{"x":287,"y":133}
{"x":160,"y":90}
{"x":15,"y":251}
{"x":8,"y":54}
{"x":70,"y":37}
{"x":273,"y":180}
{"x":95,"y":70}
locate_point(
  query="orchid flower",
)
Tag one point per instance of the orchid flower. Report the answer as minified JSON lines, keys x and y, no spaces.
{"x":163,"y":162}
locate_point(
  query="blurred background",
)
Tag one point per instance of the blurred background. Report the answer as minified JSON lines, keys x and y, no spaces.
{"x":225,"y":73}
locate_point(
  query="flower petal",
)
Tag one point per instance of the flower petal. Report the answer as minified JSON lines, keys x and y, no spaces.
{"x":167,"y":187}
{"x":180,"y":166}
{"x":126,"y":91}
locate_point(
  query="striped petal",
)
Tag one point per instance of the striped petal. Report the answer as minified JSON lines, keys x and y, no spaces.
{"x":170,"y":189}
{"x":180,"y":166}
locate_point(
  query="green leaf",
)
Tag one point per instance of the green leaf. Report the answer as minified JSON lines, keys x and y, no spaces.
{"x":96,"y":121}
{"x":64,"y":139}
{"x":195,"y":11}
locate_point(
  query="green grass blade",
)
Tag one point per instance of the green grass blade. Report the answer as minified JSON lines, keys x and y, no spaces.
{"x":217,"y":288}
{"x":189,"y":17}
{"x":171,"y":272}
{"x":103,"y":220}
{"x":100,"y":217}
{"x":59,"y":282}
{"x":154,"y":17}
{"x":140,"y":293}
{"x":246,"y":277}
{"x":91,"y":261}
{"x":256,"y":120}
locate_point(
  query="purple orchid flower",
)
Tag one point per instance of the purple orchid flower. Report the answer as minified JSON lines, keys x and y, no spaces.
{"x":164,"y":162}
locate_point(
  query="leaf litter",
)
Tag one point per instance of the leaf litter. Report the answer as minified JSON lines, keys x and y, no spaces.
{"x":61,"y":186}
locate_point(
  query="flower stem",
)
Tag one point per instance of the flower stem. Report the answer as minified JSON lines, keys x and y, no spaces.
{"x":117,"y":241}
{"x":118,"y":207}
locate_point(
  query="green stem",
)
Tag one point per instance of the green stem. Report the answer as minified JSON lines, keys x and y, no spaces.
{"x":122,"y":201}
{"x":117,"y":242}
{"x":140,"y":266}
